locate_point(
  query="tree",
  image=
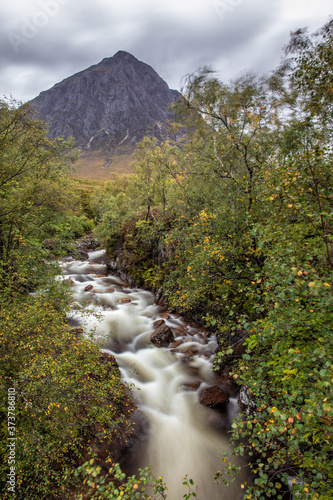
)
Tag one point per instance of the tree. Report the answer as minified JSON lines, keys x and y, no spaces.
{"x":287,"y":368}
{"x":34,"y":187}
{"x":312,"y":69}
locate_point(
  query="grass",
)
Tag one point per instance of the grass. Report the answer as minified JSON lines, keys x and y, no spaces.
{"x":94,"y":167}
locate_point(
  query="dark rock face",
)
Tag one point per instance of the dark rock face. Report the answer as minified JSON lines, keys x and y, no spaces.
{"x":214,"y":397}
{"x":110,"y":105}
{"x":162,"y":336}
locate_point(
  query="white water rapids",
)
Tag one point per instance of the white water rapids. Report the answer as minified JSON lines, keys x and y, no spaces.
{"x":184,"y":437}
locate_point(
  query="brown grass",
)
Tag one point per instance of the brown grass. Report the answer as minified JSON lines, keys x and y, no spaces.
{"x":93,"y":167}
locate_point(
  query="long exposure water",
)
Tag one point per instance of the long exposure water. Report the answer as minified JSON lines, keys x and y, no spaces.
{"x":184,"y":437}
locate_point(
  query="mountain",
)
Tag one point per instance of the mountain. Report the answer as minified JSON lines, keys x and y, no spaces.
{"x":107,"y":107}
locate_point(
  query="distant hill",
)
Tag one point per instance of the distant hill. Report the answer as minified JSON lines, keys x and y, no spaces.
{"x":107,"y":108}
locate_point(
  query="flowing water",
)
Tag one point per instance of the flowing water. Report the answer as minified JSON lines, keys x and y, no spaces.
{"x":184,"y":437}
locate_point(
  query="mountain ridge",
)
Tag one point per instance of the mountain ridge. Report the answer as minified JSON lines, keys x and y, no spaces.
{"x":108,"y":107}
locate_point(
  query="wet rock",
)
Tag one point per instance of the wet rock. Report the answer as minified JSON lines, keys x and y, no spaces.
{"x":81,"y":254}
{"x":180,"y":332}
{"x":87,"y":243}
{"x":165,"y":315}
{"x":162,"y":336}
{"x":158,"y":323}
{"x":88,"y":288}
{"x":190,"y":386}
{"x":125,"y":300}
{"x":175,"y":344}
{"x":188,"y":355}
{"x":189,"y":350}
{"x":108,"y":307}
{"x":214,"y":397}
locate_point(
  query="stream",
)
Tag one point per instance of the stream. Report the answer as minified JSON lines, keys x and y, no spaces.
{"x":184,"y":437}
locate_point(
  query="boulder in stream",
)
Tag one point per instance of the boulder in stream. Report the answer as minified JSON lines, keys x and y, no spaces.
{"x":158,"y":323}
{"x":162,"y":336}
{"x":81,"y":254}
{"x":125,"y":300}
{"x":214,"y":397}
{"x":87,"y":243}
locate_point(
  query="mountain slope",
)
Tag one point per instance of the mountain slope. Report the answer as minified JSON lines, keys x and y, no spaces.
{"x":108,"y":107}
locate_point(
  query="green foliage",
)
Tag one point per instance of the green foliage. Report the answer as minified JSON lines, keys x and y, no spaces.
{"x":36,"y":199}
{"x":114,"y":204}
{"x":64,"y":393}
{"x":312,"y":69}
{"x":116,"y":486}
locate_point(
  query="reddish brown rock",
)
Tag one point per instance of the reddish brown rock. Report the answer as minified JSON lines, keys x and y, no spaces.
{"x":158,"y":323}
{"x":190,"y":386}
{"x":175,"y":344}
{"x":88,"y":288}
{"x":214,"y":397}
{"x":162,"y":336}
{"x":125,"y":300}
{"x":180,"y":332}
{"x":188,"y":355}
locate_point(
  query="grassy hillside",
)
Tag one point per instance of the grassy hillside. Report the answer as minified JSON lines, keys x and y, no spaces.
{"x":94,"y":167}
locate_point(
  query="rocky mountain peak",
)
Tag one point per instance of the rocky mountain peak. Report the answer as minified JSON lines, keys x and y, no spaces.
{"x":109,"y":106}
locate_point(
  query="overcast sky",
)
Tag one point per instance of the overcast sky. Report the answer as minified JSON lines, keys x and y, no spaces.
{"x":44,"y":41}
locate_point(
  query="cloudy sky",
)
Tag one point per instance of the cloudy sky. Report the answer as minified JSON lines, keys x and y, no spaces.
{"x":44,"y":41}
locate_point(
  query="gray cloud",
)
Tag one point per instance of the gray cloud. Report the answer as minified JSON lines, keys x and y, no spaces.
{"x":45,"y":41}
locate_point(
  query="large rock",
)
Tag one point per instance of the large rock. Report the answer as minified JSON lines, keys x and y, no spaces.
{"x":162,"y":336}
{"x":214,"y":397}
{"x":81,"y":254}
{"x":158,"y":323}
